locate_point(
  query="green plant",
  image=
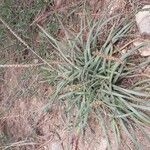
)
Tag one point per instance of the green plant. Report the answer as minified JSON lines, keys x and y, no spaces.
{"x":88,"y":78}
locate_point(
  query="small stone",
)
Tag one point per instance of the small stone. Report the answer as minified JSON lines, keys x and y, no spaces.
{"x":35,"y":61}
{"x":124,"y":51}
{"x":145,"y":50}
{"x":56,"y":146}
{"x":143,"y":20}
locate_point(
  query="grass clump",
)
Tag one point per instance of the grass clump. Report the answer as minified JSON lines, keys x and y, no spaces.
{"x":88,"y":77}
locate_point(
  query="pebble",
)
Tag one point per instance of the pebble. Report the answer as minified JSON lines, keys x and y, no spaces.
{"x":145,"y":50}
{"x":143,"y":20}
{"x":56,"y":146}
